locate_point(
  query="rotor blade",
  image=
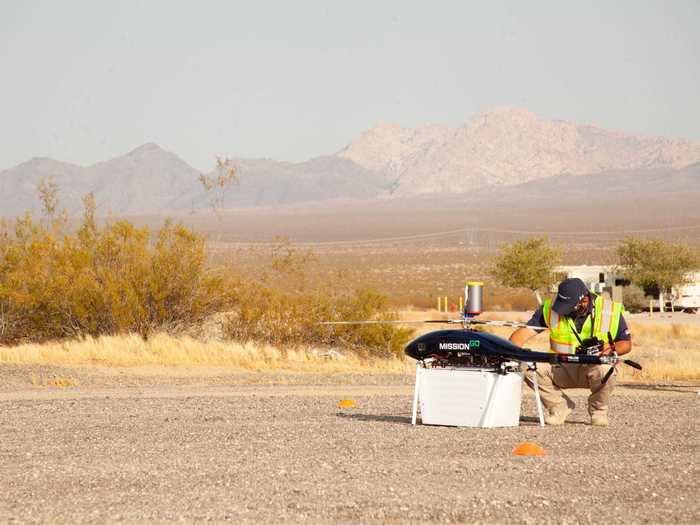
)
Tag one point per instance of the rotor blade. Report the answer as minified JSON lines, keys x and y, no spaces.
{"x":608,"y":375}
{"x":633,"y":364}
{"x":511,"y":324}
{"x":441,"y":321}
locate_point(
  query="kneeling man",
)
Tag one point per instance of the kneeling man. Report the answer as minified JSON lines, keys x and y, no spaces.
{"x":574,"y":318}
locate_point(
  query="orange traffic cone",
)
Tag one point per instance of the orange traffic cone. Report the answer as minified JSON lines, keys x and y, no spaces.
{"x":346,"y":403}
{"x":528,"y":449}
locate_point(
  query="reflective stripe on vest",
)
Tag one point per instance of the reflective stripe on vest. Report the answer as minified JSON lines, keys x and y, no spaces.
{"x":553,"y":319}
{"x":561,"y":348}
{"x":605,"y":316}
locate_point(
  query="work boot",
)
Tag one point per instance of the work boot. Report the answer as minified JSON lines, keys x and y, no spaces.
{"x":599,"y":419}
{"x":558,"y":414}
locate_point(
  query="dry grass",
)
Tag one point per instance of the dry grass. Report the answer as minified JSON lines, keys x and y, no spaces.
{"x":165,"y":350}
{"x":668,"y":352}
{"x":53,"y":381}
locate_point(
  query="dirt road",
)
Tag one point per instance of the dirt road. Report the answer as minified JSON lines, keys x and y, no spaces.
{"x":247,"y":454}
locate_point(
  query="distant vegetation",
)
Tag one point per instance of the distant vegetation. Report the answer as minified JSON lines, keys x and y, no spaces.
{"x":657,"y":265}
{"x":527,"y":264}
{"x":650,"y":265}
{"x":57,"y":282}
{"x":217,"y":184}
{"x":96,"y":281}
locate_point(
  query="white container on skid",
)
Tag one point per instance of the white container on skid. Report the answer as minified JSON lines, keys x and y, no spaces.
{"x":468,"y":397}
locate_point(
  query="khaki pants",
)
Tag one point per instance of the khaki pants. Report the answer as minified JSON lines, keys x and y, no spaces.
{"x":552,"y":378}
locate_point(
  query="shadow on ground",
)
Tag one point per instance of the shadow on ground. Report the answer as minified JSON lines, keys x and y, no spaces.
{"x":683,"y":389}
{"x":406,"y":420}
{"x":375,"y":417}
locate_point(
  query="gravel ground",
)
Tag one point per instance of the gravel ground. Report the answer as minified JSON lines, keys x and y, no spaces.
{"x":286,"y":453}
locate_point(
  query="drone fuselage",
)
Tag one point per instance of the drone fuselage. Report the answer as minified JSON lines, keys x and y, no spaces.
{"x":489,"y":349}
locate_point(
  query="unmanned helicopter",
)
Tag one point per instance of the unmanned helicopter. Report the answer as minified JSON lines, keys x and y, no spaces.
{"x":467,"y":347}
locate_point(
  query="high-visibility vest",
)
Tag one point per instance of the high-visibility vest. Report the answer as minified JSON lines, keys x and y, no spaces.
{"x":562,"y":336}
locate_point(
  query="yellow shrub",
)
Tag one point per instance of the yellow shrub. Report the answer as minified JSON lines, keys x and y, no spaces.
{"x":117,"y":280}
{"x":108,"y":281}
{"x":291,"y":320}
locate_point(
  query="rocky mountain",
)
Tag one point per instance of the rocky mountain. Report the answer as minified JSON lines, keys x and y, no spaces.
{"x":503,"y":147}
{"x":271,"y":183}
{"x":655,"y":192}
{"x":496,"y":149}
{"x":18,"y":186}
{"x":145,"y":179}
{"x":152,"y":180}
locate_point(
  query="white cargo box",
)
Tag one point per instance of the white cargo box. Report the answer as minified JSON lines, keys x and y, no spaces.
{"x":468,"y":397}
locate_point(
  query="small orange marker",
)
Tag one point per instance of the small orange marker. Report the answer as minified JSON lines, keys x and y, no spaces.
{"x":346,"y":403}
{"x":528,"y":449}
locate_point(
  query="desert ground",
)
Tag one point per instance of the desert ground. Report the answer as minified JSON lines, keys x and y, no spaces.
{"x":247,"y":447}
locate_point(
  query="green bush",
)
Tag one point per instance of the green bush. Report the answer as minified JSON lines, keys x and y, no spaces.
{"x":527,"y":264}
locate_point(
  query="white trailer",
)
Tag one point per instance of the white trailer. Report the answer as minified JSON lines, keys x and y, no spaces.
{"x":604,"y":278}
{"x":687,"y":297}
{"x":597,"y":278}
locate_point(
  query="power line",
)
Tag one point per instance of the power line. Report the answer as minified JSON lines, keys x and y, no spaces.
{"x":494,"y":230}
{"x":447,"y":233}
{"x":556,"y":233}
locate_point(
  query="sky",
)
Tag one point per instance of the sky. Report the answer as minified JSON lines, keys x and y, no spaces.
{"x":85,"y":81}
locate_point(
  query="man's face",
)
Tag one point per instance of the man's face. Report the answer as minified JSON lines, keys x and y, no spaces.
{"x":581,"y":308}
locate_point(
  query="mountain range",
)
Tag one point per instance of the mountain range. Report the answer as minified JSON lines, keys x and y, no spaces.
{"x":495,"y":154}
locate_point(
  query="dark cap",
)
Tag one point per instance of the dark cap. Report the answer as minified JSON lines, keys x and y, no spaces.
{"x":570,"y":292}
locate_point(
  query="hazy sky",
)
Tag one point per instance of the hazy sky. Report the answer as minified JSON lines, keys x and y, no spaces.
{"x":84,"y":81}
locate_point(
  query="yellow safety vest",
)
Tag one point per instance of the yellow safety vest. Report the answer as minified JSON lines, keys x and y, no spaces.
{"x":562,"y":338}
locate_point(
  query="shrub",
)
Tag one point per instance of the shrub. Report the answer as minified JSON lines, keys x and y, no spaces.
{"x":378,"y":339}
{"x":109,"y":281}
{"x":290,"y":320}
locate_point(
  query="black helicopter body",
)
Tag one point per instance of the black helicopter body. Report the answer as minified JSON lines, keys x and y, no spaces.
{"x":481,"y":348}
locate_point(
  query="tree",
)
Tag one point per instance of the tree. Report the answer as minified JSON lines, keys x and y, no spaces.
{"x":527,"y":264}
{"x":656,"y":264}
{"x":48,"y":194}
{"x":217,"y":184}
